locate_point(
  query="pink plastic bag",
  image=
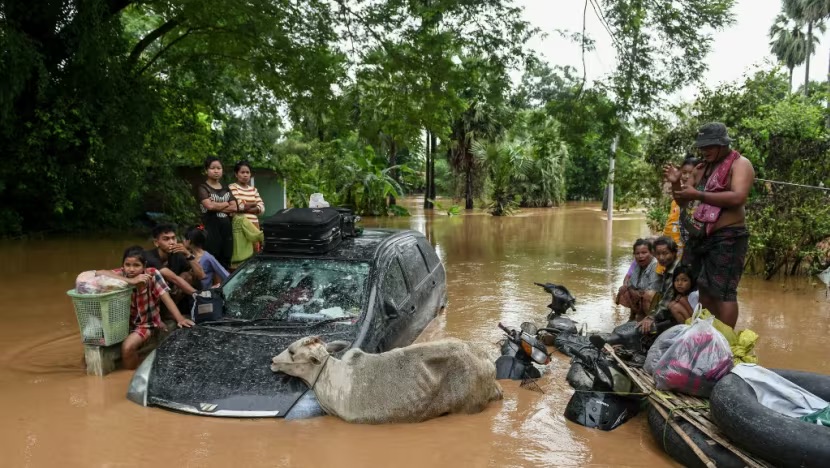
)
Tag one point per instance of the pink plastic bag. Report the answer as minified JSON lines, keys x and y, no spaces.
{"x":88,"y":283}
{"x":699,"y":357}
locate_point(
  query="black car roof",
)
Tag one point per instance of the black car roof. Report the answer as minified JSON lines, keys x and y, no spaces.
{"x":363,"y":247}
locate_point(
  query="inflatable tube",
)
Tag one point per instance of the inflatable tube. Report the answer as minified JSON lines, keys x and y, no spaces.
{"x":676,"y":447}
{"x":778,"y":439}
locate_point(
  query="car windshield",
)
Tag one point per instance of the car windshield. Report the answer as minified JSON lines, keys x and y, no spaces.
{"x":296,"y":290}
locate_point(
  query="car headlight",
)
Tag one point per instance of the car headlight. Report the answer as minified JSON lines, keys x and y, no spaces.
{"x":137,"y":392}
{"x":306,"y":407}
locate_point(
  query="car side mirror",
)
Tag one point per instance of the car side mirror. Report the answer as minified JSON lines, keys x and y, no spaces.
{"x":389,"y":309}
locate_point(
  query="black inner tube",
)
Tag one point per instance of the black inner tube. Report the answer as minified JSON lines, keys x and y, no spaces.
{"x":781,"y":440}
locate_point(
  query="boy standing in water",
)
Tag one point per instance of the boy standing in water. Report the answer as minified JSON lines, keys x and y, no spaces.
{"x":712,"y":210}
{"x":150,"y":291}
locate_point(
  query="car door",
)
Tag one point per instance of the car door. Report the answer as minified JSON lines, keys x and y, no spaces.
{"x":418,"y":276}
{"x":437,"y":276}
{"x":395,"y":304}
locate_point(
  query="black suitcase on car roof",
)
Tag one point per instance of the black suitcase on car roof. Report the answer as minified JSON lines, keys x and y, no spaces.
{"x":302,"y":230}
{"x":348,"y":222}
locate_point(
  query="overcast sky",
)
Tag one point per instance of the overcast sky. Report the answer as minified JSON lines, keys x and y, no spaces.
{"x":735,"y":50}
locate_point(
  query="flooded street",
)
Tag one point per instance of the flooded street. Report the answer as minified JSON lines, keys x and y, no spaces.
{"x":54,"y":415}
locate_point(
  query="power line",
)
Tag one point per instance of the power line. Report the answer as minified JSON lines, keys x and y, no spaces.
{"x":604,"y":22}
{"x":778,"y":182}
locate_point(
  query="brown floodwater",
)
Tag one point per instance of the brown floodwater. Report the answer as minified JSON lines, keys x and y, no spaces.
{"x":54,"y":415}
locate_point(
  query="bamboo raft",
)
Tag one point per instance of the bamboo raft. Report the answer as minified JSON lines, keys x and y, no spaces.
{"x":693,"y":409}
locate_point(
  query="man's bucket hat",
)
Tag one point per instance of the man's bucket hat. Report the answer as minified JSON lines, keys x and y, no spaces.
{"x":712,"y":134}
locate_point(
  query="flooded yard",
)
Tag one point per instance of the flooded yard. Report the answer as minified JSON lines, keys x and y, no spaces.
{"x":54,"y":415}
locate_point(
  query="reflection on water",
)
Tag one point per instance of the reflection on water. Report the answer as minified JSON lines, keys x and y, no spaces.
{"x":54,"y":415}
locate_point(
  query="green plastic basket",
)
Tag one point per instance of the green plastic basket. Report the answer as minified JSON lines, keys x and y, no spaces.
{"x":104,"y":319}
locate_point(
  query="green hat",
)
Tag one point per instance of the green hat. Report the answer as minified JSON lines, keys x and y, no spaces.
{"x":712,"y":134}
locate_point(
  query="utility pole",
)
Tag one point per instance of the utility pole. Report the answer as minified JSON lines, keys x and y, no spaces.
{"x":611,"y":178}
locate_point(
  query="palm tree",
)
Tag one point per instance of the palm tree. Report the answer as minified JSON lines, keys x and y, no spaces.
{"x":812,"y":13}
{"x":789,"y":43}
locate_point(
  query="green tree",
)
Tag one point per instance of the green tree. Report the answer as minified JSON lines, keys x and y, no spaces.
{"x":788,"y":43}
{"x":812,"y":13}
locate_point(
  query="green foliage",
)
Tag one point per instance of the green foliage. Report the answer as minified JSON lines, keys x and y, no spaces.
{"x":661,"y":46}
{"x":657,"y":213}
{"x":506,"y":164}
{"x":786,"y":139}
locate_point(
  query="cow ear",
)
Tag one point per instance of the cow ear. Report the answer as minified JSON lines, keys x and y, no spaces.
{"x":337,"y":346}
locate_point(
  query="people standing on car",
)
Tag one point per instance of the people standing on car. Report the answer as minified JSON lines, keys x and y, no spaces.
{"x":194,"y":240}
{"x":217,"y":204}
{"x":150,"y":291}
{"x":247,"y":196}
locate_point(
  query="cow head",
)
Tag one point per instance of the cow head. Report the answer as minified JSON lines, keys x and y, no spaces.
{"x":304,"y":358}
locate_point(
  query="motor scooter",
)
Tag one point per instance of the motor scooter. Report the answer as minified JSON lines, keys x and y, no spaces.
{"x":519,"y":351}
{"x":561,"y":301}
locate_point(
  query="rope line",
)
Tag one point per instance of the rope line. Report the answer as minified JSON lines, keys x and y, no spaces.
{"x":826,"y":189}
{"x":671,"y":414}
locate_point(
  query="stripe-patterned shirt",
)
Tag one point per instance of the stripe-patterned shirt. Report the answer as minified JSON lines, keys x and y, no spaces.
{"x":248,"y":194}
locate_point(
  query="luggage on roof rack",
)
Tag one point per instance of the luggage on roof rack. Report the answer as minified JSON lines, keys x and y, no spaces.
{"x":303,"y":230}
{"x":309,"y":230}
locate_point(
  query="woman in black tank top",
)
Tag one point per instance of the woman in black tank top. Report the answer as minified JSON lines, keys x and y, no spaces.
{"x":217,"y":204}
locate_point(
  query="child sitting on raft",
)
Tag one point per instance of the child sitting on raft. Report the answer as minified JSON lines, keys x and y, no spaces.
{"x":685,"y":294}
{"x":150,"y":290}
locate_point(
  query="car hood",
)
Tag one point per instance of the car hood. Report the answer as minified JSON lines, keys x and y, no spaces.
{"x":225,"y":371}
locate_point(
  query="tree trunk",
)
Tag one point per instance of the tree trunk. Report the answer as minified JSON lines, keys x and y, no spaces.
{"x":807,"y":62}
{"x":468,"y":190}
{"x":393,"y":158}
{"x":433,"y":151}
{"x":828,"y":86}
{"x":791,"y":79}
{"x":429,"y":179}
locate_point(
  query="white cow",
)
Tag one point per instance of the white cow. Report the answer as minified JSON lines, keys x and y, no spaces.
{"x":410,"y":384}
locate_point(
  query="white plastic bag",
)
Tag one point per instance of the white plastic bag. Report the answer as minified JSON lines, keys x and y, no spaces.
{"x":88,"y":283}
{"x":316,"y":201}
{"x":661,"y":345}
{"x":699,"y":357}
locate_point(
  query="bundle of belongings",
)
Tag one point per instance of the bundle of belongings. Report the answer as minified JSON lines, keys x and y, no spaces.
{"x":88,"y":283}
{"x":692,"y":357}
{"x":783,"y":396}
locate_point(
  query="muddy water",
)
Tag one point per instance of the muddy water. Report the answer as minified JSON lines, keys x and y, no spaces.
{"x":53,"y":415}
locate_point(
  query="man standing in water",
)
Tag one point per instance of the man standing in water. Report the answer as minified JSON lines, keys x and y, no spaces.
{"x":712,"y":209}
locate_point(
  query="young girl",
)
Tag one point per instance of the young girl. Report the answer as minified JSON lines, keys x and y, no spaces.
{"x":194,"y":240}
{"x":217,"y":204}
{"x":150,"y":290}
{"x":685,"y":294}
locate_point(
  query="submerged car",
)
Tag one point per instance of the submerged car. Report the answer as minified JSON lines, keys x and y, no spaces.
{"x":377,"y":291}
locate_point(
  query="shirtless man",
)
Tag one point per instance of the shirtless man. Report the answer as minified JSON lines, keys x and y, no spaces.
{"x":718,"y":238}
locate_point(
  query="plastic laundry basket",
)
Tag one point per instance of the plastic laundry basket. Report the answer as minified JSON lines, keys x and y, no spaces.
{"x":104,"y":319}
